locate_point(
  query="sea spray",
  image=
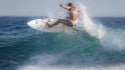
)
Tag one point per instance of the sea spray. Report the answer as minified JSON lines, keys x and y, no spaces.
{"x":108,"y":37}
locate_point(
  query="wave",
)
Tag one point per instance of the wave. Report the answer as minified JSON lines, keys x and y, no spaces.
{"x":94,"y":44}
{"x":110,"y":38}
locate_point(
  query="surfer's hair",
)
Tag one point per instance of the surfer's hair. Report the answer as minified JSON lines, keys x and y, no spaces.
{"x":71,"y":5}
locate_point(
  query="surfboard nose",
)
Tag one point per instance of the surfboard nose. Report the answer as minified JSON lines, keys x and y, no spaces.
{"x":32,"y":23}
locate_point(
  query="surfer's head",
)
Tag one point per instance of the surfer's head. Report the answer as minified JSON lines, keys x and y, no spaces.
{"x":71,"y":5}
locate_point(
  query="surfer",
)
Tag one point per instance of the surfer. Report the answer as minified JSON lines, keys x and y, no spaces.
{"x":71,"y":20}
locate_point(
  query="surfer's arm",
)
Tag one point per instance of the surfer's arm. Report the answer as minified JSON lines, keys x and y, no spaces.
{"x":81,"y":10}
{"x":65,"y":7}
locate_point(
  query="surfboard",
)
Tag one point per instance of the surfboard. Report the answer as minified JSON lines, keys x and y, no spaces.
{"x":40,"y":24}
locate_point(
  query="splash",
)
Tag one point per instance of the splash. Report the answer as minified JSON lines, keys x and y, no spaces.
{"x":96,"y":30}
{"x":108,"y":37}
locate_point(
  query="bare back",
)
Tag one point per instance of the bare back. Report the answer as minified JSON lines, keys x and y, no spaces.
{"x":73,"y":14}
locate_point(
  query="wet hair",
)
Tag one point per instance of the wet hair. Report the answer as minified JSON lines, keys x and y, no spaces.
{"x":71,"y":5}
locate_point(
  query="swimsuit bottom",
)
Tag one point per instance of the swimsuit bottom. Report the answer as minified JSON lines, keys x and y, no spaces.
{"x":74,"y":22}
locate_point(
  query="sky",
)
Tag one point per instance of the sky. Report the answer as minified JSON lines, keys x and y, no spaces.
{"x":51,"y":7}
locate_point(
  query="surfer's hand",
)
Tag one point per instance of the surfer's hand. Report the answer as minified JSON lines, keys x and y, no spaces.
{"x":82,"y":10}
{"x":61,"y":5}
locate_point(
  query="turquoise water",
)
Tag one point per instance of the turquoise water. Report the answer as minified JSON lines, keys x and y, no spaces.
{"x":21,"y":45}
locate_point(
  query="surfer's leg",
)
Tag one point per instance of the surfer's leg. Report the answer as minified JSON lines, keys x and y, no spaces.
{"x":63,"y":21}
{"x":50,"y":25}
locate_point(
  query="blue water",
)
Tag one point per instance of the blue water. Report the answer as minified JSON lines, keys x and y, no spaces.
{"x":22,"y":45}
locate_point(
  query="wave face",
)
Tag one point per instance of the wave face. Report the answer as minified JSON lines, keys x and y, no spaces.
{"x":22,"y":45}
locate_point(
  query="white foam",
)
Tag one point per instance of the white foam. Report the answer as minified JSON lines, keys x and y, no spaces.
{"x":96,"y":30}
{"x":43,"y":59}
{"x":30,"y":67}
{"x":113,"y":38}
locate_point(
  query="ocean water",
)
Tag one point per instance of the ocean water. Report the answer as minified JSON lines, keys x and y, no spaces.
{"x":100,"y":45}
